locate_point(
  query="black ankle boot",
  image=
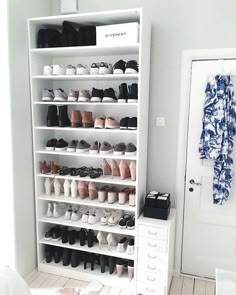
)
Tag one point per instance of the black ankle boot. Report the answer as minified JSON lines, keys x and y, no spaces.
{"x":112,"y":265}
{"x":82,"y":236}
{"x":103,"y":262}
{"x":72,"y":236}
{"x":66,"y":257}
{"x":133,"y":93}
{"x":92,"y":260}
{"x":48,"y":253}
{"x":91,"y":238}
{"x":68,"y":35}
{"x":123,"y":93}
{"x":75,"y":258}
{"x":57,"y":254}
{"x":85,"y":259}
{"x":64,"y":235}
{"x":64,"y":120}
{"x":52,"y":117}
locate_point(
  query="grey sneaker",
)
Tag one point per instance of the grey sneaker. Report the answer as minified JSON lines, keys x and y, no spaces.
{"x":119,"y":149}
{"x":47,"y":95}
{"x":106,"y":148}
{"x":130,"y":149}
{"x":73,"y":95}
{"x":84,"y":96}
{"x":95,"y":147}
{"x":72,"y":146}
{"x":82,"y":147}
{"x":60,"y":95}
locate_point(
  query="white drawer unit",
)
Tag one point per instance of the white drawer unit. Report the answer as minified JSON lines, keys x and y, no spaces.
{"x":156,"y":239}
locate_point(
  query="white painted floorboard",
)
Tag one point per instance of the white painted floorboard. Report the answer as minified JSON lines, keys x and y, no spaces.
{"x":180,"y":285}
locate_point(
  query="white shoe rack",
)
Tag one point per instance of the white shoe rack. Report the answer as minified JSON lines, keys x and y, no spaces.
{"x":42,"y":133}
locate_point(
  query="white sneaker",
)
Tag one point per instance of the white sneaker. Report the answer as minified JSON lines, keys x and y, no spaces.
{"x":114,"y":218}
{"x":58,"y":210}
{"x":47,"y":70}
{"x":130,"y":247}
{"x":105,"y":217}
{"x":49,"y":210}
{"x":68,"y":214}
{"x":105,"y":69}
{"x":85,"y":216}
{"x":81,"y":70}
{"x":95,"y":216}
{"x":121,"y":247}
{"x":75,"y":215}
{"x":70,"y":70}
{"x":58,"y":70}
{"x":94,"y":69}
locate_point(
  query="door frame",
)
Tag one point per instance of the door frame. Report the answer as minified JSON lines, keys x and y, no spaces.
{"x":188,"y":57}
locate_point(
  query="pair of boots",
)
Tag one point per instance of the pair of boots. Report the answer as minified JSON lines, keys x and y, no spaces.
{"x":123,"y":170}
{"x":59,"y":117}
{"x":129,"y":93}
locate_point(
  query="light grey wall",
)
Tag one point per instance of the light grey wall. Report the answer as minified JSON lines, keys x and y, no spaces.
{"x":176,"y":25}
{"x":25,"y":234}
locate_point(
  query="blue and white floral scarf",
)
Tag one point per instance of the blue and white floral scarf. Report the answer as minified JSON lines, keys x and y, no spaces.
{"x":218,"y":130}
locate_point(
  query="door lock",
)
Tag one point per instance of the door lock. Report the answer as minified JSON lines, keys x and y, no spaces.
{"x":192,"y":181}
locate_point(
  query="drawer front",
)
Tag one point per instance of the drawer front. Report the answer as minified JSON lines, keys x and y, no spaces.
{"x":151,"y":256}
{"x":153,"y":244}
{"x":151,"y":277}
{"x":149,"y":289}
{"x":152,"y":232}
{"x":150,"y":265}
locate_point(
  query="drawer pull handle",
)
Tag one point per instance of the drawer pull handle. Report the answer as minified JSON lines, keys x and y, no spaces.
{"x":152,"y":233}
{"x":152,"y":256}
{"x":151,"y":279}
{"x":151,"y":267}
{"x":152,"y":245}
{"x":150,"y":290}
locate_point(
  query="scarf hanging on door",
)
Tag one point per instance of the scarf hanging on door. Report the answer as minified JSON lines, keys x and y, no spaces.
{"x":218,"y":130}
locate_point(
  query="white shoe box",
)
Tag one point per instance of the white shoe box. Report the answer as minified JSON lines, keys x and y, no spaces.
{"x":120,"y":34}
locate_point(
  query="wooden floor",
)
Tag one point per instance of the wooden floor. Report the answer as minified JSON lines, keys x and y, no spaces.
{"x":180,"y":285}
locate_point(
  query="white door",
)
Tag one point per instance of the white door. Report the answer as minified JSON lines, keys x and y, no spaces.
{"x":209,"y":239}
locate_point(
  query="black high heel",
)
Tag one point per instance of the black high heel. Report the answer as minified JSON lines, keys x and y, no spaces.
{"x":92,"y":260}
{"x":82,"y":236}
{"x":85,"y":259}
{"x":112,"y":265}
{"x":103,"y":261}
{"x":91,"y":238}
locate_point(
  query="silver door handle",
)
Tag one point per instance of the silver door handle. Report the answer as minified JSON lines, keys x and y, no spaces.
{"x":192,"y":181}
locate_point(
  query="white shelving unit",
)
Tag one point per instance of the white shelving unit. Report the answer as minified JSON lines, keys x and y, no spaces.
{"x":41,"y":133}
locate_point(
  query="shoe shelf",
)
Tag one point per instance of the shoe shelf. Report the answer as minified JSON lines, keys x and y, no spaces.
{"x":87,"y":130}
{"x":86,"y":55}
{"x":95,"y":249}
{"x":86,"y":274}
{"x":102,"y":179}
{"x":87,"y":50}
{"x":80,"y":224}
{"x":86,"y":202}
{"x":87,"y":155}
{"x":108,"y":77}
{"x":97,"y":104}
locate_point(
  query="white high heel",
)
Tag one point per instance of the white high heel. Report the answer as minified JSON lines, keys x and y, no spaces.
{"x":74,"y":189}
{"x":48,"y":186}
{"x":57,"y":187}
{"x":111,"y":240}
{"x":102,"y":239}
{"x":49,"y":210}
{"x":66,"y":186}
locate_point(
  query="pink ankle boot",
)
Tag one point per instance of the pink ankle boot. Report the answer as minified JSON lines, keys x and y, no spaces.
{"x":106,"y":169}
{"x":132,"y":167}
{"x":93,"y":192}
{"x":83,"y":189}
{"x":115,"y":171}
{"x":124,"y":170}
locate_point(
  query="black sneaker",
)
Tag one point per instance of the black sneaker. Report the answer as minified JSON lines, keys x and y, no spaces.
{"x":97,"y":95}
{"x":131,"y":67}
{"x":124,"y":123}
{"x":123,"y":221}
{"x":48,"y":235}
{"x":50,"y":146}
{"x":52,"y":117}
{"x":132,"y":124}
{"x":109,"y":95}
{"x":133,"y":93}
{"x":123,"y":93}
{"x":61,"y":145}
{"x":56,"y":234}
{"x":131,"y":223}
{"x":119,"y":67}
{"x":68,"y":35}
